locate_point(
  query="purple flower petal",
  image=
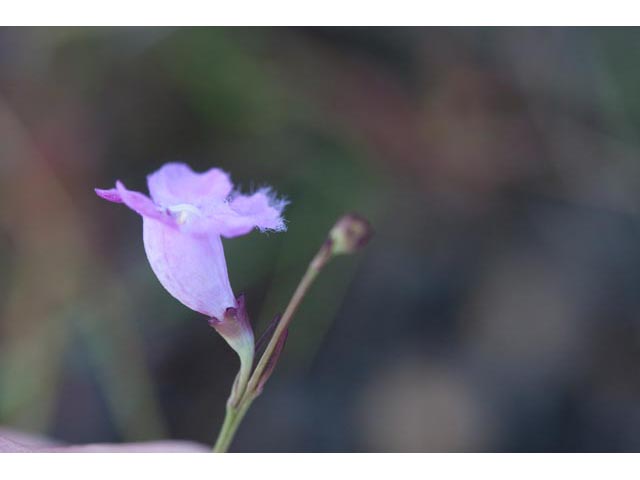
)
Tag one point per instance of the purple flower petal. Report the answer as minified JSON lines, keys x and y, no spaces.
{"x":111,"y":194}
{"x":246,"y":212}
{"x":191,"y":267}
{"x":136,"y":201}
{"x":176,"y":183}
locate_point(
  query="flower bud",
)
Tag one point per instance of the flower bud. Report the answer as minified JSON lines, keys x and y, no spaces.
{"x":350,"y":234}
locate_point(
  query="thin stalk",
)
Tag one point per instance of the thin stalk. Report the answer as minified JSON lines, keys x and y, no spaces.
{"x":232,"y":419}
{"x":316,"y":265}
{"x":242,"y":379}
{"x":236,"y":410}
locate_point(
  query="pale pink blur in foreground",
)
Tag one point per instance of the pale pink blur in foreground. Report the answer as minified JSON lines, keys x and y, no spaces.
{"x":18,"y":442}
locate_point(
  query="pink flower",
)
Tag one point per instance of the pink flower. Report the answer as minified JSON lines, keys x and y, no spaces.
{"x":183,"y":221}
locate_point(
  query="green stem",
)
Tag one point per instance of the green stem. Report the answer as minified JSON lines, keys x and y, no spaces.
{"x":231,"y":423}
{"x":236,"y":410}
{"x":240,"y":383}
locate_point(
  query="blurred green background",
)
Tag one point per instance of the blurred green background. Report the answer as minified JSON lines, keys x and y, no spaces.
{"x":496,"y":309}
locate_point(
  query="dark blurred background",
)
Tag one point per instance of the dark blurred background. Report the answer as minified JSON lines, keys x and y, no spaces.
{"x":496,"y":309}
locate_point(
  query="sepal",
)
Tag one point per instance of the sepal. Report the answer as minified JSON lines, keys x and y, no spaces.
{"x":235,"y":328}
{"x":275,"y":355}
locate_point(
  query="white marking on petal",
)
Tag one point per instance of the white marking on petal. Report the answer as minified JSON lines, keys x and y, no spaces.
{"x":184,"y":212}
